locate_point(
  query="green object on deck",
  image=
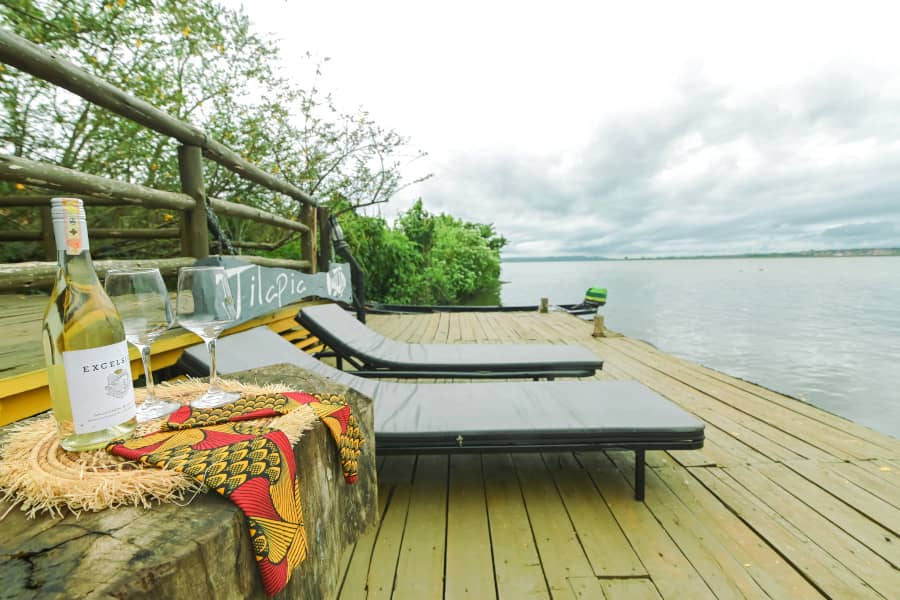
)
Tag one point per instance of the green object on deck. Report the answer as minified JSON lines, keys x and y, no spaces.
{"x":595,"y":295}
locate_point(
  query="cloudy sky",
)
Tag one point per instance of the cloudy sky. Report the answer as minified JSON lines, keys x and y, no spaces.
{"x":628,"y":128}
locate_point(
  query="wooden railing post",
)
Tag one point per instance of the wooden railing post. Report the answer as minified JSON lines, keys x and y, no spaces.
{"x":194,"y":232}
{"x":47,"y":237}
{"x":308,"y":238}
{"x":324,"y":237}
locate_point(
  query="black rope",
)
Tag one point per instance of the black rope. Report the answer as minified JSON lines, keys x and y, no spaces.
{"x":212,"y":222}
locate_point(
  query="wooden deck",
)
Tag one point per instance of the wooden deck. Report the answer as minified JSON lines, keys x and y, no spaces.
{"x":784,"y":500}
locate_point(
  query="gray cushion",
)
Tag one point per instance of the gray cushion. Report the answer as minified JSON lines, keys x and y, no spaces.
{"x":349,"y":337}
{"x":482,"y":415}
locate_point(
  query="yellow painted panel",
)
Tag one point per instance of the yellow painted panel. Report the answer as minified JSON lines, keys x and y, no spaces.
{"x":26,"y":381}
{"x":24,"y":404}
{"x":25,"y":395}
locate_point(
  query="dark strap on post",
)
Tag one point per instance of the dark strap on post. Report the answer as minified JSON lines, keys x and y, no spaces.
{"x":212,"y":222}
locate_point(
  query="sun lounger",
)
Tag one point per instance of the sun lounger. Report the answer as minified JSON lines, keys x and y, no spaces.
{"x":373,"y":355}
{"x":485,"y":416}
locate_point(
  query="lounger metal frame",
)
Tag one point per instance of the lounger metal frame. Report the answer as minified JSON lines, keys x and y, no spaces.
{"x":370,"y":366}
{"x":274,"y":349}
{"x":639,"y":449}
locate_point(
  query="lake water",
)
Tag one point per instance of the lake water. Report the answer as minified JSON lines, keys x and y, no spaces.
{"x":826,"y":330}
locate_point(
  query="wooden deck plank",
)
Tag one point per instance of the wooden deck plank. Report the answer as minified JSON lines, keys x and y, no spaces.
{"x":387,"y":325}
{"x":481,"y":334}
{"x":771,"y":441}
{"x":560,"y":551}
{"x":824,"y":571}
{"x":602,"y":540}
{"x":356,"y":572}
{"x":509,"y":332}
{"x":871,"y":479}
{"x":416,"y":333}
{"x":632,"y":589}
{"x":395,"y":481}
{"x":850,"y":518}
{"x":420,"y":569}
{"x":761,"y":561}
{"x":790,"y":414}
{"x":863,"y":562}
{"x":442,"y":334}
{"x":710,"y":554}
{"x":516,"y":563}
{"x":469,"y":567}
{"x":467,"y":329}
{"x":830,"y":478}
{"x":20,"y":322}
{"x":727,"y":442}
{"x":793,"y":404}
{"x":432,"y":328}
{"x":586,"y":588}
{"x":670,"y":570}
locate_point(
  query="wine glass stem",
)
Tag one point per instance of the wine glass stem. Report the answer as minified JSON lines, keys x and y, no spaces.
{"x":148,"y":372}
{"x":213,"y":378}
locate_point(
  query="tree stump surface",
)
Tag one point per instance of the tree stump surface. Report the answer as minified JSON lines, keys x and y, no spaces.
{"x":201,"y":550}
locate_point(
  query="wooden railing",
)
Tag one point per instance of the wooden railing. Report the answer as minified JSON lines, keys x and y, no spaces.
{"x":195,"y":207}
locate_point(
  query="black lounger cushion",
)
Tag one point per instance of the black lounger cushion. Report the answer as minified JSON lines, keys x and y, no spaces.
{"x":435,"y":416}
{"x":349,"y":337}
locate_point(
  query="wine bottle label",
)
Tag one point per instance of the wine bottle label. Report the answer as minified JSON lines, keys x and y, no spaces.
{"x":71,"y":230}
{"x":100,"y":388}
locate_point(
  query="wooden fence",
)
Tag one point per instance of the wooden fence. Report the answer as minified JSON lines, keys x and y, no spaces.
{"x":192,"y":202}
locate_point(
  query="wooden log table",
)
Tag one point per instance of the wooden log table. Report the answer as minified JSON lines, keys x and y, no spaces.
{"x":201,"y":550}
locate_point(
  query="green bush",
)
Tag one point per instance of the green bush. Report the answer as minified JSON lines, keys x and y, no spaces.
{"x":423,"y":258}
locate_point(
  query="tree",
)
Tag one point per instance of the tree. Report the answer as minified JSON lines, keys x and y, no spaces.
{"x":202,"y":63}
{"x":425,"y":258}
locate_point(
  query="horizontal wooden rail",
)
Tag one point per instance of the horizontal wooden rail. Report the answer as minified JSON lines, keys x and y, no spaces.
{"x":21,"y":236}
{"x":281,"y":263}
{"x":41,"y":200}
{"x":97,"y":233}
{"x":38,"y":61}
{"x":221,"y":207}
{"x":135,"y":234}
{"x":40,"y":275}
{"x":231,"y":209}
{"x":17,"y":169}
{"x":257,"y":245}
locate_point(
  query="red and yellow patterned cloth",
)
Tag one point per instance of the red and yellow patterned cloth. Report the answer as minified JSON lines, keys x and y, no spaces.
{"x":252,"y":465}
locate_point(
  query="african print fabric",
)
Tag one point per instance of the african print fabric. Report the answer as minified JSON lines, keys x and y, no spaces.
{"x":252,"y":465}
{"x":337,"y":416}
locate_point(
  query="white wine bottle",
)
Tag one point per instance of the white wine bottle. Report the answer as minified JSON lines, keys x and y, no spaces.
{"x":88,"y":368}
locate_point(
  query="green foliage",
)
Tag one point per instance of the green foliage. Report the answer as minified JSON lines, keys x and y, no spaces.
{"x":424,"y":258}
{"x":201,"y":63}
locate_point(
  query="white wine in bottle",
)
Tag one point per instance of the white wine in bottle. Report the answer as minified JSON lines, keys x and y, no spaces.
{"x":88,"y":368}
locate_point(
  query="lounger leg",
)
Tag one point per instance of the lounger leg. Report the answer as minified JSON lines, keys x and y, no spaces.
{"x":639,"y":462}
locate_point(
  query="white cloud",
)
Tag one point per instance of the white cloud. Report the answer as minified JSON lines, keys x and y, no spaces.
{"x":630,"y":127}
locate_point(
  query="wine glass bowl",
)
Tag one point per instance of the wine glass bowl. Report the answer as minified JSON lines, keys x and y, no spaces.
{"x":141,"y":298}
{"x":205,"y":307}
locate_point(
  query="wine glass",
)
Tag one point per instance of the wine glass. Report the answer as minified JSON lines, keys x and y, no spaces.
{"x":205,"y":307}
{"x":143,"y":303}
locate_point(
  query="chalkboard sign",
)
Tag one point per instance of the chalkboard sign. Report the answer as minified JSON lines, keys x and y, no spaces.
{"x":261,"y":290}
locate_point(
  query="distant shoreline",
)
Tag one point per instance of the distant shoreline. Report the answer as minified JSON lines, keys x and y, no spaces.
{"x":850,"y":252}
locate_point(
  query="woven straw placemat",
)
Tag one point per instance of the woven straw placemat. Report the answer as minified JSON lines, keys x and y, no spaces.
{"x":38,"y":476}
